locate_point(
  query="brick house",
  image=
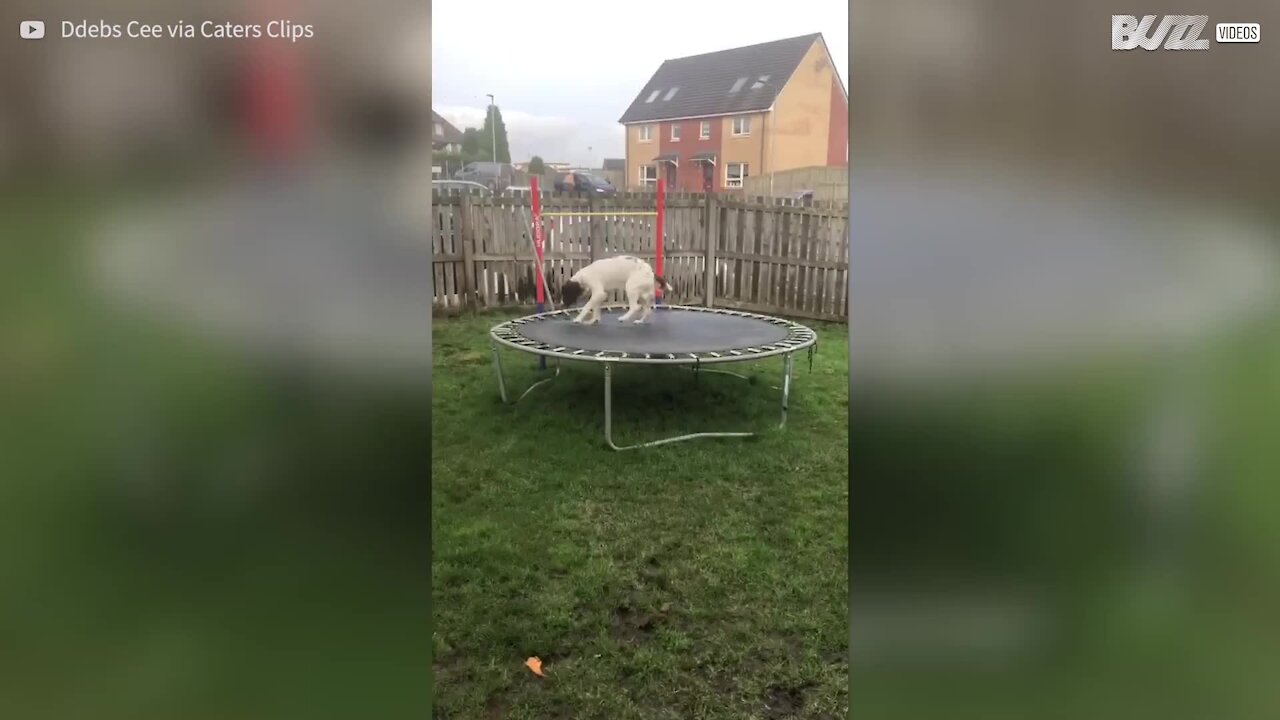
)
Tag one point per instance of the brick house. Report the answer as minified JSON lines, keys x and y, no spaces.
{"x":706,"y":122}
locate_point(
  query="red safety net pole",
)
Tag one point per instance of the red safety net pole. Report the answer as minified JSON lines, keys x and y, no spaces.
{"x":274,"y":94}
{"x":662,"y":188}
{"x":539,"y":295}
{"x":537,"y":240}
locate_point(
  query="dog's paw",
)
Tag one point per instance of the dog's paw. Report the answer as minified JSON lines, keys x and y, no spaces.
{"x":577,"y":321}
{"x":641,"y":321}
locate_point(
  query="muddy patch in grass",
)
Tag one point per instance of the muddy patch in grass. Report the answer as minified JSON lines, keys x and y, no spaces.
{"x":632,"y":621}
{"x":782,"y":701}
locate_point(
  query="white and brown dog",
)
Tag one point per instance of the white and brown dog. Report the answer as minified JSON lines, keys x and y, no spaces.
{"x":623,"y":272}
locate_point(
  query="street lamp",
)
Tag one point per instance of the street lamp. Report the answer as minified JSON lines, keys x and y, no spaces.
{"x":493,"y":126}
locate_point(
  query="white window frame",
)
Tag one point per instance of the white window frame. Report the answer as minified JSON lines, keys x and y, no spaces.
{"x":746,"y":125}
{"x":743,"y":174}
{"x":439,"y":130}
{"x":646,"y":181}
{"x":675,"y":132}
{"x":704,"y":130}
{"x":645,"y":133}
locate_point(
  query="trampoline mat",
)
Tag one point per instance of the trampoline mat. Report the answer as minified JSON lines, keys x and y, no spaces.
{"x":666,"y":331}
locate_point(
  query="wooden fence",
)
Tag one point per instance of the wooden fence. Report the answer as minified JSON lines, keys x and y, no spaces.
{"x":770,"y":256}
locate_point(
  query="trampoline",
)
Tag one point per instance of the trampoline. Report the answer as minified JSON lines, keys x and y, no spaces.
{"x":681,"y":335}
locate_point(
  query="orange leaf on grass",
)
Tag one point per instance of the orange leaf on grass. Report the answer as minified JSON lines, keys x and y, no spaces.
{"x":535,"y":665}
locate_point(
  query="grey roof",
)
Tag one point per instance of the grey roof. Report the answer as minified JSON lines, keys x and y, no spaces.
{"x":615,"y":164}
{"x":705,"y":83}
{"x":451,"y":133}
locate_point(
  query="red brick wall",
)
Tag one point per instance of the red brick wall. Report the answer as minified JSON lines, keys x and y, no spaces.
{"x":689,"y":175}
{"x":838,"y":132}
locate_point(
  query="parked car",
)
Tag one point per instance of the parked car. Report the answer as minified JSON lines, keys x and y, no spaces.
{"x":460,"y":186}
{"x":522,"y":190}
{"x":584,"y":182}
{"x":495,"y":176}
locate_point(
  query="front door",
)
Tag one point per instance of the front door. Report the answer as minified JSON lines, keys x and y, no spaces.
{"x":671,"y":175}
{"x":708,"y":177}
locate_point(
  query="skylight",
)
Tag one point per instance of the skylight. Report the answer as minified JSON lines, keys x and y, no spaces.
{"x":670,"y":94}
{"x":737,"y":85}
{"x":760,"y":83}
{"x":653,"y":96}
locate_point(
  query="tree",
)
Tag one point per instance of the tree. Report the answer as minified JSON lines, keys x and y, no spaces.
{"x":471,"y":144}
{"x":487,"y":133}
{"x":536,"y":166}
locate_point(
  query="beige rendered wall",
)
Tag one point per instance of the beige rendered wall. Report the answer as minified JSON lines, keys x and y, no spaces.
{"x":639,"y":153}
{"x":745,"y":148}
{"x":803,"y":114}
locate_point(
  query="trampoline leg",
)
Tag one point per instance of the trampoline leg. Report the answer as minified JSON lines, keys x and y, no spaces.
{"x":608,"y":405}
{"x":608,"y":421}
{"x":787,"y":361}
{"x":497,"y":366}
{"x":543,"y":380}
{"x":502,"y":383}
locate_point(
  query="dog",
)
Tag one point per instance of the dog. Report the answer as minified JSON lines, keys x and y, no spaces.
{"x":623,"y":272}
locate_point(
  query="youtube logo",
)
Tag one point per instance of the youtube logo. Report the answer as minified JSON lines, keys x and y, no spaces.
{"x":31,"y":29}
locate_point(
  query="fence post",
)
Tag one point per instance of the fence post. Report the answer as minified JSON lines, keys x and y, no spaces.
{"x":711,"y":229}
{"x":593,"y":238}
{"x":467,"y":239}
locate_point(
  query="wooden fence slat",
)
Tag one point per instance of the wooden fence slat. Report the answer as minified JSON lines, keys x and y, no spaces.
{"x":713,"y":237}
{"x":467,"y":265}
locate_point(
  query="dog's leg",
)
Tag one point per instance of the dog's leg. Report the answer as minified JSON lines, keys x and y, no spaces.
{"x":593,"y":307}
{"x":648,"y":309}
{"x":631,"y":311}
{"x":585,"y":312}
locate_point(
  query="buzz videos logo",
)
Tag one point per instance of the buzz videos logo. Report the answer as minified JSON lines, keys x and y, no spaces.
{"x":1176,"y":32}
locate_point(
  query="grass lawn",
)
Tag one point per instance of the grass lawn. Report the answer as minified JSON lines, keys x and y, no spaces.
{"x":705,"y":579}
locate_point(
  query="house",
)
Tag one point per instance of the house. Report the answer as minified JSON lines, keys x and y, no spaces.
{"x":615,"y":171}
{"x":706,"y":122}
{"x":445,"y":138}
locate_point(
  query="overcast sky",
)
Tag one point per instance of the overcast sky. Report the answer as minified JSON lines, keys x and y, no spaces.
{"x":563,"y":72}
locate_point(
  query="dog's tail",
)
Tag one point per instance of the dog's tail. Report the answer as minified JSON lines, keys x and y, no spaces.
{"x":660,"y":282}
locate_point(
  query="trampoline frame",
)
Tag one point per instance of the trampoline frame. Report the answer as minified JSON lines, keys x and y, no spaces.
{"x":798,"y":337}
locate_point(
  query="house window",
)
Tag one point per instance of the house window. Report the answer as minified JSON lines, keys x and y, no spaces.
{"x":653,"y":96}
{"x":648,"y":175}
{"x":737,"y":85}
{"x":734,"y":174}
{"x":704,"y":129}
{"x":439,"y":129}
{"x":675,"y":132}
{"x":742,"y":125}
{"x":646,"y":133}
{"x":670,"y":94}
{"x":761,"y":82}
